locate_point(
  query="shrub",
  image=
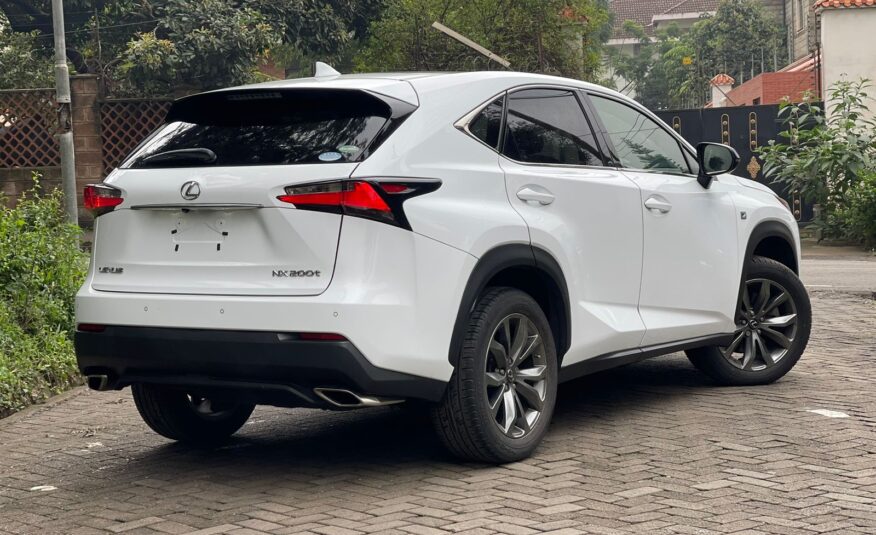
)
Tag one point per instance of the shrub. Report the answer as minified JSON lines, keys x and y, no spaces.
{"x":859,"y":216}
{"x":826,"y":156}
{"x":41,"y":267}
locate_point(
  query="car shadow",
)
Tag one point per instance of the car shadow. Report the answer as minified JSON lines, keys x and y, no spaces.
{"x":329,"y":443}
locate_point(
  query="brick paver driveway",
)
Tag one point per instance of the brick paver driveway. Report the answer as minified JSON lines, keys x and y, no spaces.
{"x":651,"y":448}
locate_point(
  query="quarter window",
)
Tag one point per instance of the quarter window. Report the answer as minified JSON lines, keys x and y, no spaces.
{"x":487,"y":125}
{"x":640,"y":142}
{"x":548,"y":126}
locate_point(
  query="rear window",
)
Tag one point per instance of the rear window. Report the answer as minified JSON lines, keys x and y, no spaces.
{"x":265,"y":128}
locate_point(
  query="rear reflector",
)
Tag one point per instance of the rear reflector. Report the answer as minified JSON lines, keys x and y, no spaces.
{"x":321,"y":337}
{"x":91,"y":327}
{"x":371,"y":199}
{"x":100,"y":198}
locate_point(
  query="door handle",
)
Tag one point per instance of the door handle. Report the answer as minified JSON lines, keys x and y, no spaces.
{"x":656,"y":203}
{"x":543,"y":197}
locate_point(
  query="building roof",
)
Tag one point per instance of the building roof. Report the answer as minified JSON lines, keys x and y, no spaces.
{"x":693,"y":6}
{"x":722,"y":79}
{"x":829,"y":4}
{"x":643,"y":12}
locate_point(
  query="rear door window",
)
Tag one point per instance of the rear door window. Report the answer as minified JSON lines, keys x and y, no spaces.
{"x":548,"y":126}
{"x":266,"y":128}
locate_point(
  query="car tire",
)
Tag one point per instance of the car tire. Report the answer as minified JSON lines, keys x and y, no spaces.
{"x":179,"y":416}
{"x":773,"y":322}
{"x":496,"y":414}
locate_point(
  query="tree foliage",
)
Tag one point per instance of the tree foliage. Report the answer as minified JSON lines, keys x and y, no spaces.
{"x":24,"y":63}
{"x":548,"y":36}
{"x":148,"y":46}
{"x":672,"y":69}
{"x":830,"y":158}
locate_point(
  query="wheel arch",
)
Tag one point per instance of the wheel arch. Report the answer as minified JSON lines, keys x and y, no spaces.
{"x":772,"y":239}
{"x":526,"y":268}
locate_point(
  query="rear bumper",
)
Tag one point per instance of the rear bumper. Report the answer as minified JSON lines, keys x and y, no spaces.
{"x":394,"y":294}
{"x":269,"y":367}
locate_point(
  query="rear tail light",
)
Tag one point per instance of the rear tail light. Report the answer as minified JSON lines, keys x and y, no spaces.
{"x":100,"y":198}
{"x":371,"y":199}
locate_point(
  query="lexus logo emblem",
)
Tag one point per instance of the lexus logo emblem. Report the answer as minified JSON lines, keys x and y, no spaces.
{"x":190,"y":191}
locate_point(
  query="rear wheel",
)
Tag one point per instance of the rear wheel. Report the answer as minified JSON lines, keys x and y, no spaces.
{"x":191,"y":418}
{"x":500,"y":399}
{"x":773,"y":320}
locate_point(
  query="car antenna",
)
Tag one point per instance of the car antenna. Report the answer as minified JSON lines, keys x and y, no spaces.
{"x":324,"y":70}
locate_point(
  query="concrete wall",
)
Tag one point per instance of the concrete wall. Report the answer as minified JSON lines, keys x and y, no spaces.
{"x":848,"y":41}
{"x":798,"y":24}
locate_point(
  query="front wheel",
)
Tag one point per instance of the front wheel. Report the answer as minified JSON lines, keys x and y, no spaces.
{"x":500,"y":400}
{"x":191,"y":418}
{"x":773,"y":321}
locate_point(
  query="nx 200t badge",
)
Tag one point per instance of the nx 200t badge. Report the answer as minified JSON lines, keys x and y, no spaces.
{"x":110,"y":269}
{"x":296,"y":273}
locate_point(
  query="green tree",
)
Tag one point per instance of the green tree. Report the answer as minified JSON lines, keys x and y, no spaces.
{"x":672,"y":69}
{"x":547,"y":36}
{"x":24,"y":62}
{"x":143,"y":46}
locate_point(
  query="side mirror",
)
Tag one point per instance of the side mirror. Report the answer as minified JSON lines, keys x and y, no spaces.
{"x":715,"y":159}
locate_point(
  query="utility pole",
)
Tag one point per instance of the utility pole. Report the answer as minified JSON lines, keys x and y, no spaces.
{"x":65,"y":117}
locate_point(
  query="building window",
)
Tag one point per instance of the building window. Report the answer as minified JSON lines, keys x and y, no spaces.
{"x":801,"y":15}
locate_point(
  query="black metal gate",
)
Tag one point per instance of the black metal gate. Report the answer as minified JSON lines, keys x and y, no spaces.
{"x":744,"y":128}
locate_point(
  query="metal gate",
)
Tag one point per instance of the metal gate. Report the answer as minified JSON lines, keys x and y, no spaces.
{"x":745,"y":128}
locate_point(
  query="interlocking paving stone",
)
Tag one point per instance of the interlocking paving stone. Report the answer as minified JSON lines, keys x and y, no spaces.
{"x":650,"y":448}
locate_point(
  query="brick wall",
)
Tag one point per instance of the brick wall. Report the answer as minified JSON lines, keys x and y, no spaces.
{"x":772,"y":88}
{"x":16,"y":181}
{"x":104,"y":132}
{"x":86,"y":134}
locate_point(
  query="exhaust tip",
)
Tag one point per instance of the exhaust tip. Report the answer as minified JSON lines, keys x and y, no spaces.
{"x":97,"y":382}
{"x":346,"y":399}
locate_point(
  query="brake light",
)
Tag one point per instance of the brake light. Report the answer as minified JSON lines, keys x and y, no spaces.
{"x":100,"y":198}
{"x":370,"y":199}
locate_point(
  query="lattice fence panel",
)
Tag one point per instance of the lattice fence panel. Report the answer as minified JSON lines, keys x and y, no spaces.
{"x":124,"y":124}
{"x":28,"y":124}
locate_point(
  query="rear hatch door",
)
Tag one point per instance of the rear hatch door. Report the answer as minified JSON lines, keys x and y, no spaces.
{"x":200,"y":213}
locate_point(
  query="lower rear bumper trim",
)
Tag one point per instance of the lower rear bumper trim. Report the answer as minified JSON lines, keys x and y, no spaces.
{"x":276,"y":367}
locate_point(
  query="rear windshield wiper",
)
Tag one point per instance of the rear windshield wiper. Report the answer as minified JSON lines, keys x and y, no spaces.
{"x":194,"y":156}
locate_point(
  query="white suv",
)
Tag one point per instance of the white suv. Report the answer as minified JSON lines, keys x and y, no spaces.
{"x":469,"y":240}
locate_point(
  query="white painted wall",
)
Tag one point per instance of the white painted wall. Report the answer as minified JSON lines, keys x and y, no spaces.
{"x":848,"y":42}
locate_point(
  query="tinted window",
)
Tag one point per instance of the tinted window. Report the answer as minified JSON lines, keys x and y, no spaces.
{"x":640,"y":142}
{"x":548,"y":126}
{"x":268,"y":128}
{"x":487,"y":125}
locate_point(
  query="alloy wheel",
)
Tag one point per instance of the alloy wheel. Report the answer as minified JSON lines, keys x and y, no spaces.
{"x":766,"y":324}
{"x":516,"y":375}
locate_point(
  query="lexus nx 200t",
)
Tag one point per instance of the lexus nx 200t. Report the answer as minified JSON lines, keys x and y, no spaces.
{"x":467,"y":240}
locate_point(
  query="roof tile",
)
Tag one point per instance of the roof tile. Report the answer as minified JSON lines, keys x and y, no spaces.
{"x":643,"y":11}
{"x":829,"y":4}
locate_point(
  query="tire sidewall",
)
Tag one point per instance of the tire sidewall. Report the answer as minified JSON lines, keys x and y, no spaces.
{"x":512,"y":302}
